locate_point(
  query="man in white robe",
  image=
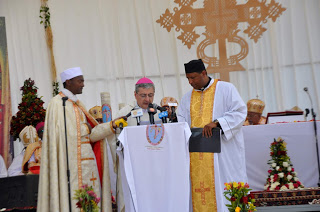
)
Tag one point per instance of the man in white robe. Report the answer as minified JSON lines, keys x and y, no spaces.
{"x":88,"y":161}
{"x":227,"y":111}
{"x":144,"y":95}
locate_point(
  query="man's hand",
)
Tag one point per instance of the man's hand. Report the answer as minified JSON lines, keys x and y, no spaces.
{"x":207,"y":130}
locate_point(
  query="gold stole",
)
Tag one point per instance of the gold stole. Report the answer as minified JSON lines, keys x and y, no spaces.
{"x":202,"y":163}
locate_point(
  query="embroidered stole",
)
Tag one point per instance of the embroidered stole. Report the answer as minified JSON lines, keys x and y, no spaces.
{"x":202,"y":163}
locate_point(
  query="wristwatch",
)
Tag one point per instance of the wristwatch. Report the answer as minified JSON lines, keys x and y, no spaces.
{"x":217,"y":122}
{"x":218,"y":125}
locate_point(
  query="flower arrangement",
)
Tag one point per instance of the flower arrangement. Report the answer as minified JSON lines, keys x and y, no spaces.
{"x":31,"y":110}
{"x":87,"y":199}
{"x":239,"y":197}
{"x":281,"y":173}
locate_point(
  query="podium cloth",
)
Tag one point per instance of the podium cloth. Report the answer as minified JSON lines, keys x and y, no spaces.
{"x":102,"y":131}
{"x":157,"y":171}
{"x":301,"y":146}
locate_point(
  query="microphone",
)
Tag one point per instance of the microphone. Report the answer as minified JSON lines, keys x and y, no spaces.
{"x":121,"y":123}
{"x":307,"y":112}
{"x":173,"y":113}
{"x":137,"y":113}
{"x":129,"y":114}
{"x":151,"y":112}
{"x":159,"y":108}
{"x":307,"y":91}
{"x":163,"y":116}
{"x":64,"y":99}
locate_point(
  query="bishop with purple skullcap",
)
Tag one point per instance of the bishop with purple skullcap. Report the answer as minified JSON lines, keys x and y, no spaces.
{"x":144,"y":80}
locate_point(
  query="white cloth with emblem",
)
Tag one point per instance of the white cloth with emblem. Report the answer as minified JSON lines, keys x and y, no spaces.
{"x":155,"y":176}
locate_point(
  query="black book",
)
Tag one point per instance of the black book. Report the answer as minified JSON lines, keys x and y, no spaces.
{"x":198,"y":143}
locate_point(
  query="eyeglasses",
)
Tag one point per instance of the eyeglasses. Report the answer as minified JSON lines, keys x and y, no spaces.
{"x":150,"y":95}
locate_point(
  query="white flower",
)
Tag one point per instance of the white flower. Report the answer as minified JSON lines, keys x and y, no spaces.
{"x":266,"y":187}
{"x":271,"y":161}
{"x":285,"y":164}
{"x":272,"y":176}
{"x":295,"y":173}
{"x":296,"y":179}
{"x":271,"y":180}
{"x":274,"y":165}
{"x":271,"y":189}
{"x":277,"y":168}
{"x":291,"y":186}
{"x":289,"y":177}
{"x":281,"y":174}
{"x":289,"y":168}
{"x":283,"y":188}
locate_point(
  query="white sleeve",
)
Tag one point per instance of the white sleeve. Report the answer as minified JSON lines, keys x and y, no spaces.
{"x":236,"y":113}
{"x":181,"y":113}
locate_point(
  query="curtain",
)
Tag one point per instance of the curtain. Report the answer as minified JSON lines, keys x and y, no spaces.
{"x":117,"y":42}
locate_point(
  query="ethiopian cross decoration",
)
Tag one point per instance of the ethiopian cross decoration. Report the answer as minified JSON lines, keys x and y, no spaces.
{"x":220,"y":19}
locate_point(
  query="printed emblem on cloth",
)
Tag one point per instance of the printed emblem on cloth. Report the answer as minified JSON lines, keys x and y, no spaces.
{"x":155,"y":134}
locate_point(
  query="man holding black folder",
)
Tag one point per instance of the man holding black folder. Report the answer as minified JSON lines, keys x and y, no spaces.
{"x":209,"y":105}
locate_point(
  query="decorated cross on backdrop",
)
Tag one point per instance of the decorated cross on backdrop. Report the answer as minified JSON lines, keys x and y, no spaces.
{"x":220,"y":19}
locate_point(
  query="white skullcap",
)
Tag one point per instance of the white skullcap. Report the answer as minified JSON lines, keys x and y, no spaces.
{"x":70,"y":73}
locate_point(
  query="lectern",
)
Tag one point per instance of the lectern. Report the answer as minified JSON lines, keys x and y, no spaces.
{"x":154,"y":163}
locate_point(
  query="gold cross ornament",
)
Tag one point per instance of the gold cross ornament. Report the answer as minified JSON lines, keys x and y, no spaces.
{"x":220,"y":19}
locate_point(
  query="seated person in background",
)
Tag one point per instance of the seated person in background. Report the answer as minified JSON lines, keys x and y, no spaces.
{"x":15,"y":168}
{"x":255,"y":109}
{"x":32,"y":156}
{"x":3,"y":168}
{"x":165,"y":103}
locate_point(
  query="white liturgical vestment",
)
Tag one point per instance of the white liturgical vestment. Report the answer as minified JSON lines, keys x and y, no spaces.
{"x":230,"y":110}
{"x":156,"y":165}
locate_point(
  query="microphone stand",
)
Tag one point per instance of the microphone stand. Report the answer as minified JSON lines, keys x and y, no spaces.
{"x":315,"y":132}
{"x":172,"y":114}
{"x":138,"y":120}
{"x":151,"y":112}
{"x":64,"y":99}
{"x":317,"y":142}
